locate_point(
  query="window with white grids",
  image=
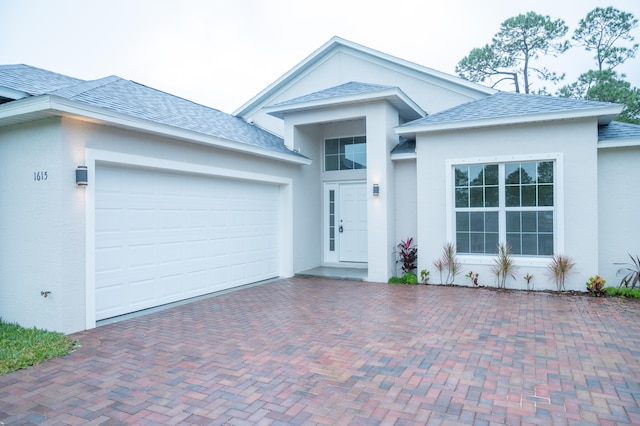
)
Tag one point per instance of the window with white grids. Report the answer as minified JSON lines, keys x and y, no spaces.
{"x":512,"y":202}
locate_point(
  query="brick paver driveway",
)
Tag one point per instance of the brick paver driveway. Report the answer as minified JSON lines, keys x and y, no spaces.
{"x":317,"y":351}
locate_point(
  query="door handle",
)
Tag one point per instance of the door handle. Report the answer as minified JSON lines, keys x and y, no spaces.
{"x":340,"y":229}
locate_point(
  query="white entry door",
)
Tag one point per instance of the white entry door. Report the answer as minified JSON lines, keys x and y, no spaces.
{"x":352,"y":222}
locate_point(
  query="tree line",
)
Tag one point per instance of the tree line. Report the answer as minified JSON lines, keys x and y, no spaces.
{"x":515,"y":50}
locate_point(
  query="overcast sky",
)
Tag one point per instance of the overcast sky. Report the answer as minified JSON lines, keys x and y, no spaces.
{"x":223,"y":52}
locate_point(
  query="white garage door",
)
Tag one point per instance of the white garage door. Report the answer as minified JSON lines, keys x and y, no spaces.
{"x":163,"y":237}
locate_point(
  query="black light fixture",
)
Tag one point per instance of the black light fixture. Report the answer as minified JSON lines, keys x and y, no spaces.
{"x":82,"y":176}
{"x":376,"y":189}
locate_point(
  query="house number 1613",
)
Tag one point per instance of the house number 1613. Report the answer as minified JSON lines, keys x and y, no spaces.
{"x":38,"y":176}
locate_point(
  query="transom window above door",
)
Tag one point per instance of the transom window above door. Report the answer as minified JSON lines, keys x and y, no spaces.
{"x":348,"y":153}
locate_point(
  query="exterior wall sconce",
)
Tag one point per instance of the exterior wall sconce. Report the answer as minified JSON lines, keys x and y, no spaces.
{"x":82,"y":176}
{"x":376,"y":190}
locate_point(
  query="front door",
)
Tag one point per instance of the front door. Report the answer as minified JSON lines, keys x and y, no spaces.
{"x":347,"y":222}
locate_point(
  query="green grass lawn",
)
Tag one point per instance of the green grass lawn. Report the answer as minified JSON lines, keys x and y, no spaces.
{"x":23,"y":347}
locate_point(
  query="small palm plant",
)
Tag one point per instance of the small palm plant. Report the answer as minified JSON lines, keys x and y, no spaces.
{"x":561,"y":265}
{"x":632,"y":272}
{"x":440,"y":267}
{"x":504,"y":266}
{"x":528,"y":279}
{"x":448,"y":261}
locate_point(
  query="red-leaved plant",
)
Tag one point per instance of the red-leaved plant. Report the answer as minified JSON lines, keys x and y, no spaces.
{"x":408,"y":255}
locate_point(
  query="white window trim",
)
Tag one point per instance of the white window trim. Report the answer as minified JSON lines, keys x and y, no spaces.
{"x":324,"y":154}
{"x":558,"y":225}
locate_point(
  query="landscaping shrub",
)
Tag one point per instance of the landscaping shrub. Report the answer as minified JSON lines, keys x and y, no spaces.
{"x":449,"y":262}
{"x":559,"y":268}
{"x":408,"y":278}
{"x":528,"y":277}
{"x":624,"y":292}
{"x":595,"y":286}
{"x":473,"y":276}
{"x":632,"y":271}
{"x":408,"y":255}
{"x":504,"y":265}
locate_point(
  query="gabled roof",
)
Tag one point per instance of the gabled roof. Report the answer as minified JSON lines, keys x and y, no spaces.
{"x":510,"y":108}
{"x":350,"y":92}
{"x":337,"y":44}
{"x":101,"y":98}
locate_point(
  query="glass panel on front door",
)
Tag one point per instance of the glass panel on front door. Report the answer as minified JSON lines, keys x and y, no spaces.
{"x":332,"y":220}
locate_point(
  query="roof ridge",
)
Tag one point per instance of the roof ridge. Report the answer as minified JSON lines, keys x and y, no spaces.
{"x":336,"y":91}
{"x":179,"y":97}
{"x":84,"y":87}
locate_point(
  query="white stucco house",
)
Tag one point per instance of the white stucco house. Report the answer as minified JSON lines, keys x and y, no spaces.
{"x":117,"y":197}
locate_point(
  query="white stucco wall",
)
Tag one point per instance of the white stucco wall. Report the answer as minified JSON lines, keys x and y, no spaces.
{"x":42,"y":227}
{"x":618,"y":208}
{"x":382,"y":118}
{"x":406,"y":203}
{"x":576,"y":193}
{"x":307,"y":195}
{"x":44,"y":245}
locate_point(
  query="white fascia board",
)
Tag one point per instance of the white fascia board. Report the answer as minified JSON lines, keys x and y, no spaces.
{"x":607,"y":112}
{"x":404,"y":156}
{"x":421,"y":69}
{"x":619,"y":143}
{"x":7,"y":92}
{"x":388,"y":95}
{"x":23,"y":107}
{"x":54,"y":106}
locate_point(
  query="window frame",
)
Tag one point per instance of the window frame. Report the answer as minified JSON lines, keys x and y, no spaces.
{"x":339,"y":139}
{"x":558,"y":225}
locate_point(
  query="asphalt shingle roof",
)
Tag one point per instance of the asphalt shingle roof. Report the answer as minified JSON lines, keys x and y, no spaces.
{"x":32,"y":80}
{"x":617,"y":130}
{"x":405,"y":146}
{"x":136,"y":100}
{"x":503,"y":104}
{"x":346,"y":89}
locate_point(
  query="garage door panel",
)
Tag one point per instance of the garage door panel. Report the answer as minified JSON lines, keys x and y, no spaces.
{"x":141,"y":219}
{"x":109,"y":259}
{"x":169,"y":252}
{"x":197,"y":282}
{"x":142,"y":255}
{"x":142,"y":292}
{"x":163,"y":237}
{"x":110,"y":219}
{"x":110,"y":296}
